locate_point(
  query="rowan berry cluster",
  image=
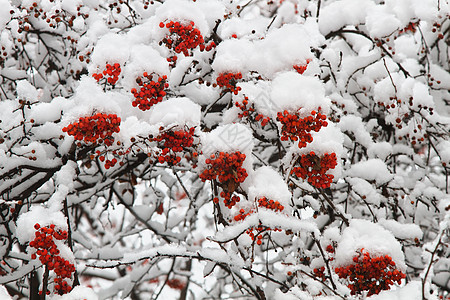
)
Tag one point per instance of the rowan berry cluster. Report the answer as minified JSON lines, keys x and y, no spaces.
{"x":111,"y":73}
{"x":229,"y":80}
{"x":150,"y":92}
{"x":109,"y":162}
{"x":52,"y":16}
{"x":47,"y":251}
{"x":256,"y":232}
{"x":227,"y":169}
{"x":411,"y":27}
{"x":98,"y":128}
{"x":172,"y":143}
{"x":249,"y":113}
{"x":297,"y":128}
{"x":314,"y":168}
{"x":319,"y":272}
{"x":270,"y":204}
{"x":372,"y":274}
{"x":302,"y":68}
{"x":417,"y":135}
{"x":176,"y":284}
{"x":183,"y":38}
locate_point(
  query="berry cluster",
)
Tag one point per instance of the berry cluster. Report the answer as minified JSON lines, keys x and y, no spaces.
{"x":411,"y":27}
{"x":183,"y":38}
{"x":150,"y":92}
{"x":319,"y":273}
{"x":297,"y":128}
{"x":52,"y":16}
{"x":257,"y":232}
{"x":227,"y":169}
{"x":98,"y":128}
{"x":410,"y":119}
{"x":109,"y":162}
{"x":172,"y":142}
{"x":111,"y":73}
{"x":176,"y":284}
{"x":250,"y":113}
{"x":302,"y":68}
{"x":270,"y":204}
{"x":48,"y":255}
{"x":229,"y":80}
{"x":372,"y":274}
{"x":314,"y":168}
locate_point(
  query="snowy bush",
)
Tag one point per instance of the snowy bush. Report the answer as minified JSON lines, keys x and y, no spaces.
{"x":208,"y":149}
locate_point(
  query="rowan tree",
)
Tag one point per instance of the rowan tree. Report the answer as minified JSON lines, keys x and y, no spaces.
{"x":183,"y":149}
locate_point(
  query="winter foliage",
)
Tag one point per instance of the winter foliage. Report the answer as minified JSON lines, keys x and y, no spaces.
{"x":224,"y":149}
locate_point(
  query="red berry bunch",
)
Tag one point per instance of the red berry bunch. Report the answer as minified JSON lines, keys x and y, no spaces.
{"x":257,"y":232}
{"x":372,"y":274}
{"x":48,"y":15}
{"x":150,"y":92}
{"x":111,"y":73}
{"x":108,"y":162}
{"x":250,"y":113}
{"x":98,"y":128}
{"x":172,"y":142}
{"x":229,"y":80}
{"x":314,"y":168}
{"x":176,"y":284}
{"x":412,"y":27}
{"x":184,"y":37}
{"x":270,"y":204}
{"x":297,"y":128}
{"x":319,"y":273}
{"x":227,"y":169}
{"x":48,"y":255}
{"x":302,"y":68}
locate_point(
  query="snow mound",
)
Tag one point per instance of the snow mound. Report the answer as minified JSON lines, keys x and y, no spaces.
{"x":373,"y":238}
{"x":176,"y":111}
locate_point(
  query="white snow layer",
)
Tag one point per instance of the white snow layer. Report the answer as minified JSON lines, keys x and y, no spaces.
{"x":373,"y":238}
{"x":38,"y":214}
{"x":78,"y":293}
{"x":266,"y":182}
{"x":176,"y":111}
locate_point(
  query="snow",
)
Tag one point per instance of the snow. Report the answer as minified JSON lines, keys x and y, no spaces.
{"x":364,"y":188}
{"x":402,"y":231}
{"x":380,"y":150}
{"x":64,"y":184}
{"x":373,"y":238}
{"x":354,"y":124}
{"x":4,"y":293}
{"x":371,"y":170}
{"x":266,"y":218}
{"x":295,"y":293}
{"x":291,"y":44}
{"x":26,"y":91}
{"x":411,"y":291}
{"x":77,"y":293}
{"x":266,"y":182}
{"x":292,"y":91}
{"x":38,"y":214}
{"x":111,"y":48}
{"x":5,"y":16}
{"x":143,"y":58}
{"x":444,"y":151}
{"x":380,"y":22}
{"x":345,"y":12}
{"x":176,"y":111}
